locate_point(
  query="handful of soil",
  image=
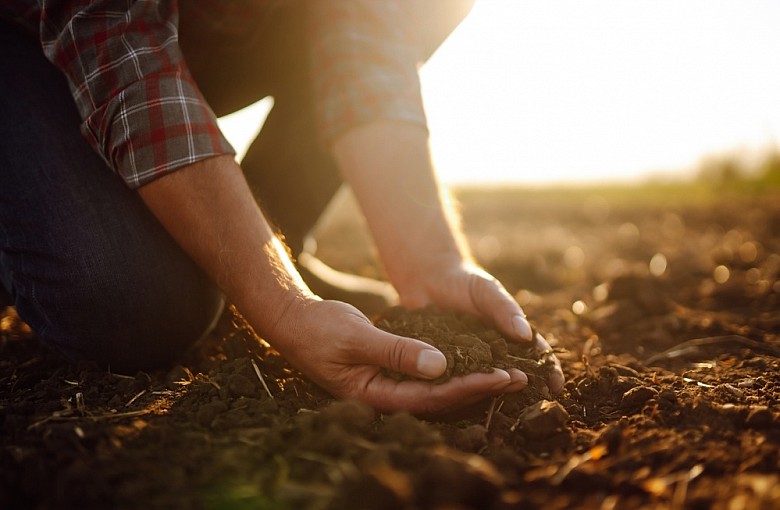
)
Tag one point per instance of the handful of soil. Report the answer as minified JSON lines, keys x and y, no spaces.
{"x":468,"y":343}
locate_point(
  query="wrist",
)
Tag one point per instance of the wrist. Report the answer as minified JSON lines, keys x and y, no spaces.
{"x":270,"y":316}
{"x":277,"y":288}
{"x":411,"y":217}
{"x":421,"y":285}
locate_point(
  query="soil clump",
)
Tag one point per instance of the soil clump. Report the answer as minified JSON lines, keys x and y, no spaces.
{"x":468,"y":343}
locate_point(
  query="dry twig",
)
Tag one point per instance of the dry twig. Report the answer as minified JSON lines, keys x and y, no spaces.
{"x":490,"y":413}
{"x":262,"y":381}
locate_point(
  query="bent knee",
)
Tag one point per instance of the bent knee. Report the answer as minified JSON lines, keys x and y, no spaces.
{"x":125,"y":321}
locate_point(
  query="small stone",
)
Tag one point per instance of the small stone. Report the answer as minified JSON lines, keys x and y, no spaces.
{"x":636,"y":397}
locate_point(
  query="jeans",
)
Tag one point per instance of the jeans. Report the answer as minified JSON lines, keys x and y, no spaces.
{"x":85,"y":263}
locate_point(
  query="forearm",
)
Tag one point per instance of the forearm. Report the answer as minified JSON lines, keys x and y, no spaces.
{"x":389,"y":167}
{"x":209,"y":210}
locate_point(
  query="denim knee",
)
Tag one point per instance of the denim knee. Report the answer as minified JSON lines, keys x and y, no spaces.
{"x":123,"y":318}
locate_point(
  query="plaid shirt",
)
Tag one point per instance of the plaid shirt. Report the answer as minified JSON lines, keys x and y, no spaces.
{"x":143,"y":112}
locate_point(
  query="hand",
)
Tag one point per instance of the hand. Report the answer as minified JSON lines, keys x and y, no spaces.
{"x":339,"y":349}
{"x":465,"y":287}
{"x":389,"y":166}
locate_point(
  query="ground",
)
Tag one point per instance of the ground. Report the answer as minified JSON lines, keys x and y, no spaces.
{"x":661,"y":302}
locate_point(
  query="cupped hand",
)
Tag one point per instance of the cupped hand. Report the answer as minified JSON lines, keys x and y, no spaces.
{"x":467,"y":288}
{"x":339,"y":349}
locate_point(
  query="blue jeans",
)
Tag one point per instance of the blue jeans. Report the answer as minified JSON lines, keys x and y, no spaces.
{"x":86,"y":264}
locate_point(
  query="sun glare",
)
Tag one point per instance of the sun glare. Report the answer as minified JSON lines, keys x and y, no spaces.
{"x":581,"y":91}
{"x":568,"y":91}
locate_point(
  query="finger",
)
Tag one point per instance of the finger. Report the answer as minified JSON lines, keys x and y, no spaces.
{"x":497,"y":305}
{"x":518,"y":381}
{"x":423,"y":398}
{"x":400,"y":354}
{"x":555,"y":380}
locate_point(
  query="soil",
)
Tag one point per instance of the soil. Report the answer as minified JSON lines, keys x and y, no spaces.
{"x":663,"y":311}
{"x":468,"y":344}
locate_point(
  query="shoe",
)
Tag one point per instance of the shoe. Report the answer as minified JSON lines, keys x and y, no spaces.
{"x":366,"y":294}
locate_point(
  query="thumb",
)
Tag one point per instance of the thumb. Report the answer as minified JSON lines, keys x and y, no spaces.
{"x":406,"y":355}
{"x":496,"y":304}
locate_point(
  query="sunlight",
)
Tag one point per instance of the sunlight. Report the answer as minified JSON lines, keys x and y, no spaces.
{"x":584,"y":91}
{"x":241,"y":127}
{"x":566,"y":91}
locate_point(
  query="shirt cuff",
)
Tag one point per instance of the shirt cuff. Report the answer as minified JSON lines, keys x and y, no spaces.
{"x":154,"y":127}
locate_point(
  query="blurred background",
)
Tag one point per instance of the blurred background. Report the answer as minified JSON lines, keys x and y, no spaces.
{"x":551,"y":92}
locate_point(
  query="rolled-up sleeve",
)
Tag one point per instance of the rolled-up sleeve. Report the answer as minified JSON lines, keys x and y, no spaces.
{"x":364,"y":65}
{"x":140,"y":107}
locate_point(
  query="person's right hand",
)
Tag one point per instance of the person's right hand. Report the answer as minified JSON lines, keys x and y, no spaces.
{"x":339,"y":349}
{"x":463,"y":286}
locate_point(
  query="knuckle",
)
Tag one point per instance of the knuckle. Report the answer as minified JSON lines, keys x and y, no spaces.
{"x":394,"y":352}
{"x":486,"y":293}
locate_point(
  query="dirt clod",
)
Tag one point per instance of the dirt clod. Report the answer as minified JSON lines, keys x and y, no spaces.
{"x":468,"y":344}
{"x":637,"y":396}
{"x":543,"y":419}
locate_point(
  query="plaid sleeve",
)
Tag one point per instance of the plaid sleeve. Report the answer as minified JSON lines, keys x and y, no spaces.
{"x":140,"y":107}
{"x":364,"y":65}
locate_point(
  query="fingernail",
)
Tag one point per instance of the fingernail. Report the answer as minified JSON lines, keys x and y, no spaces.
{"x":521,"y":326}
{"x":431,"y":363}
{"x":504,"y":382}
{"x":518,"y":376}
{"x":556,"y":382}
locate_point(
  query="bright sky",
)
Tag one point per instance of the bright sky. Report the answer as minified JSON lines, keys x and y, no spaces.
{"x":542,"y":91}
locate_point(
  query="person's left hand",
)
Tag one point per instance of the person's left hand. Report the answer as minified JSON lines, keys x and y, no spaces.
{"x":465,"y":287}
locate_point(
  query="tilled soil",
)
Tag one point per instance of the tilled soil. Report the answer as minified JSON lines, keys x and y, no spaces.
{"x":665,"y":320}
